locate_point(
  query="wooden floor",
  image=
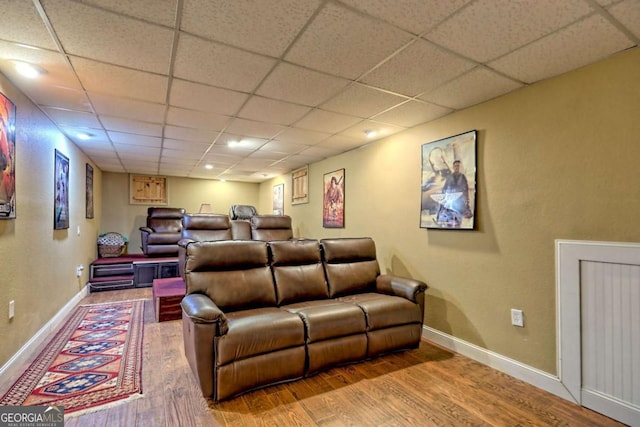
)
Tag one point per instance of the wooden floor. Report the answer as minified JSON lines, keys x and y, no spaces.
{"x":429,"y":386}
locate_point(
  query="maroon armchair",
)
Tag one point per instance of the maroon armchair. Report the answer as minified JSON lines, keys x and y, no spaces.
{"x":163,"y":231}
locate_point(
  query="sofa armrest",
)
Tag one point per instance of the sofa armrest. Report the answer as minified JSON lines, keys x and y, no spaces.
{"x":146,"y":229}
{"x":410,"y":289}
{"x":200,"y":309}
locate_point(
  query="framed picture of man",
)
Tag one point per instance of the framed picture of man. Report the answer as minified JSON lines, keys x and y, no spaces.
{"x":333,"y":200}
{"x":448,"y":183}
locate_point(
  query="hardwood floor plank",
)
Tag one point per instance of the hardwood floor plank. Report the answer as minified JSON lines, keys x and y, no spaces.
{"x":428,"y":386}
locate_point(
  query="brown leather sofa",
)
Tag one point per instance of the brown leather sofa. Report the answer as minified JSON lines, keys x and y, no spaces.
{"x":163,"y":231}
{"x":259,"y":313}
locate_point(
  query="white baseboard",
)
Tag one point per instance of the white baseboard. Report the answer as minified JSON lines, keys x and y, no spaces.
{"x":42,"y":335}
{"x":526,"y":373}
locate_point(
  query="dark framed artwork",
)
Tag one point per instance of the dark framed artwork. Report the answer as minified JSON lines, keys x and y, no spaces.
{"x":89,"y":191}
{"x":448,"y":199}
{"x":278,"y":199}
{"x":333,"y":200}
{"x":7,"y":158}
{"x":61,"y":192}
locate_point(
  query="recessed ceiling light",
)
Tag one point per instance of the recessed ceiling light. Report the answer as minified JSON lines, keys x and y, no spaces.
{"x":370,"y":133}
{"x":208,"y":166}
{"x":28,"y":70}
{"x":233,"y":143}
{"x":84,"y":136}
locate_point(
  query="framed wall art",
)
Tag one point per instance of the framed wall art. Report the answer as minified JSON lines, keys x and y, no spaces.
{"x":89,"y":191}
{"x":278,"y":199}
{"x":61,"y":192}
{"x":333,"y":200}
{"x":300,"y":185}
{"x":7,"y":158}
{"x":448,"y":183}
{"x":147,"y":190}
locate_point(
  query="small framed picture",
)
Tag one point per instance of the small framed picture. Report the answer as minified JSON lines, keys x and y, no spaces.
{"x":278,"y":199}
{"x":333,"y":200}
{"x":7,"y":158}
{"x":89,"y":191}
{"x":61,"y":192}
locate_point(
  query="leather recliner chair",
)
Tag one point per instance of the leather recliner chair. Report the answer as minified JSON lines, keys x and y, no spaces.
{"x":242,"y":212}
{"x":271,"y":227}
{"x":163,"y":231}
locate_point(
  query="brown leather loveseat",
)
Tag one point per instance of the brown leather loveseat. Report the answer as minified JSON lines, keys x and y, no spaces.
{"x":259,"y":313}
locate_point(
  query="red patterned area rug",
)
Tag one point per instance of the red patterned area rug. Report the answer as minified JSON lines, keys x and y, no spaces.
{"x":94,"y":360}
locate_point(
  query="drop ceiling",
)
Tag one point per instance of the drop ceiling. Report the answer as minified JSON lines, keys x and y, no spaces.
{"x":255,"y":89}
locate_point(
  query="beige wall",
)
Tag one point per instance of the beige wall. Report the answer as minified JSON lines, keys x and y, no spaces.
{"x":38,"y":263}
{"x":119,"y":216}
{"x":557,"y":160}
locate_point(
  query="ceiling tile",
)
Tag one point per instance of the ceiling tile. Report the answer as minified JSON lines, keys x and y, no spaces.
{"x":270,"y":110}
{"x":360,"y":130}
{"x":319,"y":152}
{"x":21,"y":23}
{"x":575,"y":46}
{"x":422,"y":66}
{"x":74,"y":118}
{"x":415,"y":16}
{"x":127,"y":108}
{"x":478,"y":85}
{"x":254,"y":129}
{"x":57,"y":70}
{"x":362,"y":101}
{"x":181,"y":154}
{"x":196,"y":119}
{"x":344,"y":43}
{"x":62,"y":97}
{"x":189,"y":134}
{"x":321,"y":120}
{"x":218,"y":65}
{"x":628,"y":12}
{"x":119,"y":81}
{"x":488,"y":29}
{"x":263,"y":27}
{"x":138,"y":152}
{"x":201,"y":97}
{"x":339,"y":142}
{"x":137,"y":140}
{"x":237,"y":144}
{"x":177,"y":144}
{"x":98,"y":34}
{"x":282,"y":147}
{"x":158,"y":11}
{"x":131,"y":126}
{"x":412,"y":113}
{"x":300,"y":85}
{"x":301,"y":136}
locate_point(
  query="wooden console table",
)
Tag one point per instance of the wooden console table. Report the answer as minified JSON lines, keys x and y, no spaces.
{"x":129,"y":271}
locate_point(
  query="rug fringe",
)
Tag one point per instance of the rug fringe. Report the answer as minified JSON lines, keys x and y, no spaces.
{"x":103,"y":407}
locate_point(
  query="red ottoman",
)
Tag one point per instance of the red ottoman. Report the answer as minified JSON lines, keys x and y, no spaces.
{"x":167,"y":294}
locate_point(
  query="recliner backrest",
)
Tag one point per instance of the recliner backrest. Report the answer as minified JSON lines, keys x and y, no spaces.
{"x":297,"y":270}
{"x":235,"y":274}
{"x":271,"y":227}
{"x":165,"y":220}
{"x":350,"y":265}
{"x":206,"y":227}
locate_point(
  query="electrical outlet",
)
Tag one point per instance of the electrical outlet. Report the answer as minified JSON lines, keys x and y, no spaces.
{"x":12,"y":309}
{"x":517,"y":318}
{"x":79,"y":270}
